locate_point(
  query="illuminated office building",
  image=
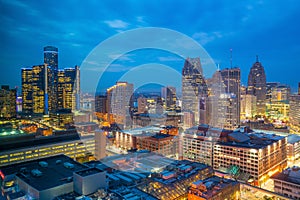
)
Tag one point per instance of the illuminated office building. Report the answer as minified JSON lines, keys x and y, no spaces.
{"x":39,"y":89}
{"x":68,"y":88}
{"x":194,"y":89}
{"x":51,"y":61}
{"x":20,"y":149}
{"x":101,"y":103}
{"x":27,"y":100}
{"x":250,"y":156}
{"x":294,"y":115}
{"x":232,"y":81}
{"x":119,"y":102}
{"x":269,"y":88}
{"x":257,"y":86}
{"x":169,"y":96}
{"x":8,"y":99}
{"x":223,"y":103}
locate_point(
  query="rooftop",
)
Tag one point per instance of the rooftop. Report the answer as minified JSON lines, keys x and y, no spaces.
{"x":88,"y":172}
{"x":45,"y":173}
{"x":293,"y":138}
{"x":143,"y":130}
{"x":251,"y":140}
{"x":211,"y":186}
{"x":291,"y":175}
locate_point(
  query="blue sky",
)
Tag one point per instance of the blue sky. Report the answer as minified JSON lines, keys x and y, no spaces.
{"x":269,"y":29}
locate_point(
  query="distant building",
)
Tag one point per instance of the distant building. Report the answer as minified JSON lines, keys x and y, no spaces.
{"x":119,"y":99}
{"x":257,"y":86}
{"x":288,"y":182}
{"x":194,"y":89}
{"x":248,"y":106}
{"x":250,"y":156}
{"x":142,"y":105}
{"x":270,"y":86}
{"x":188,"y":120}
{"x":214,"y":188}
{"x":168,"y":94}
{"x":8,"y":99}
{"x":294,"y":115}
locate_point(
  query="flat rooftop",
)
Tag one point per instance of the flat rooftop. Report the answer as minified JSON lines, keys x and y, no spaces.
{"x":88,"y":172}
{"x":291,"y":175}
{"x":213,"y":186}
{"x":45,"y":173}
{"x":143,"y":130}
{"x":293,"y":138}
{"x":251,"y":140}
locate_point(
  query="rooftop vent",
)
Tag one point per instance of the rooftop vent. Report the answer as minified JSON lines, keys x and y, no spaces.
{"x":43,"y":164}
{"x":58,"y":162}
{"x":68,"y":165}
{"x":36,"y":173}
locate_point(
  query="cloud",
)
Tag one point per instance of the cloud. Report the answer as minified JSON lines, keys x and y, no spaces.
{"x":122,"y":57}
{"x":169,"y":58}
{"x":204,"y":38}
{"x":118,"y":24}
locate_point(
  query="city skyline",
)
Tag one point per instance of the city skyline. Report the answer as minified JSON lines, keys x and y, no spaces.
{"x":77,"y":33}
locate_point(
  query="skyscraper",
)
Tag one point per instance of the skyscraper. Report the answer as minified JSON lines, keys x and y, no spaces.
{"x":232,"y":81}
{"x":51,"y":60}
{"x":39,"y":89}
{"x":68,"y":88}
{"x":8,"y":97}
{"x":194,"y":89}
{"x":294,"y":114}
{"x":120,"y":102}
{"x":257,"y":86}
{"x":27,"y":100}
{"x":168,"y":93}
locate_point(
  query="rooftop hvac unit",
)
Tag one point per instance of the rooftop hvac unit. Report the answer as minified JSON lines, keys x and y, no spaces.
{"x":36,"y":173}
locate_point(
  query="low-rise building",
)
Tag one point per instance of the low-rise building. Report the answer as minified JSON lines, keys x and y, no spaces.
{"x":214,"y":188}
{"x":288,"y":182}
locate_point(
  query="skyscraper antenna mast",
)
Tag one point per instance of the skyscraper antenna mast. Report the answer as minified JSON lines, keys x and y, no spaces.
{"x":256,"y":58}
{"x":231,"y":58}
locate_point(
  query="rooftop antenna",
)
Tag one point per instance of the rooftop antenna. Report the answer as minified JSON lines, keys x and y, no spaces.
{"x":231,"y":58}
{"x":256,"y":58}
{"x":218,"y":66}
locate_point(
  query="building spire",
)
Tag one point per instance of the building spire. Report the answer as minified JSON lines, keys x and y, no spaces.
{"x":230,"y":57}
{"x":256,"y":58}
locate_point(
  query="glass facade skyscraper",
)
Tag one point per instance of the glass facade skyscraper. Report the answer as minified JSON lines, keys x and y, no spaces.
{"x":194,"y":89}
{"x":51,"y":60}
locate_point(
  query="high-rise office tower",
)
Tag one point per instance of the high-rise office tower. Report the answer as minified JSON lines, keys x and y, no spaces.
{"x":299,"y":88}
{"x":51,"y":60}
{"x":169,"y":95}
{"x":27,"y":100}
{"x":119,"y":100}
{"x":194,"y":89}
{"x":269,"y":88}
{"x":39,"y":89}
{"x":8,"y":97}
{"x":232,"y":81}
{"x":257,"y":86}
{"x":101,"y":103}
{"x":68,"y":88}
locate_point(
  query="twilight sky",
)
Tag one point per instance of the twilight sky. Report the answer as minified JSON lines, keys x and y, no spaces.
{"x":269,"y":29}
